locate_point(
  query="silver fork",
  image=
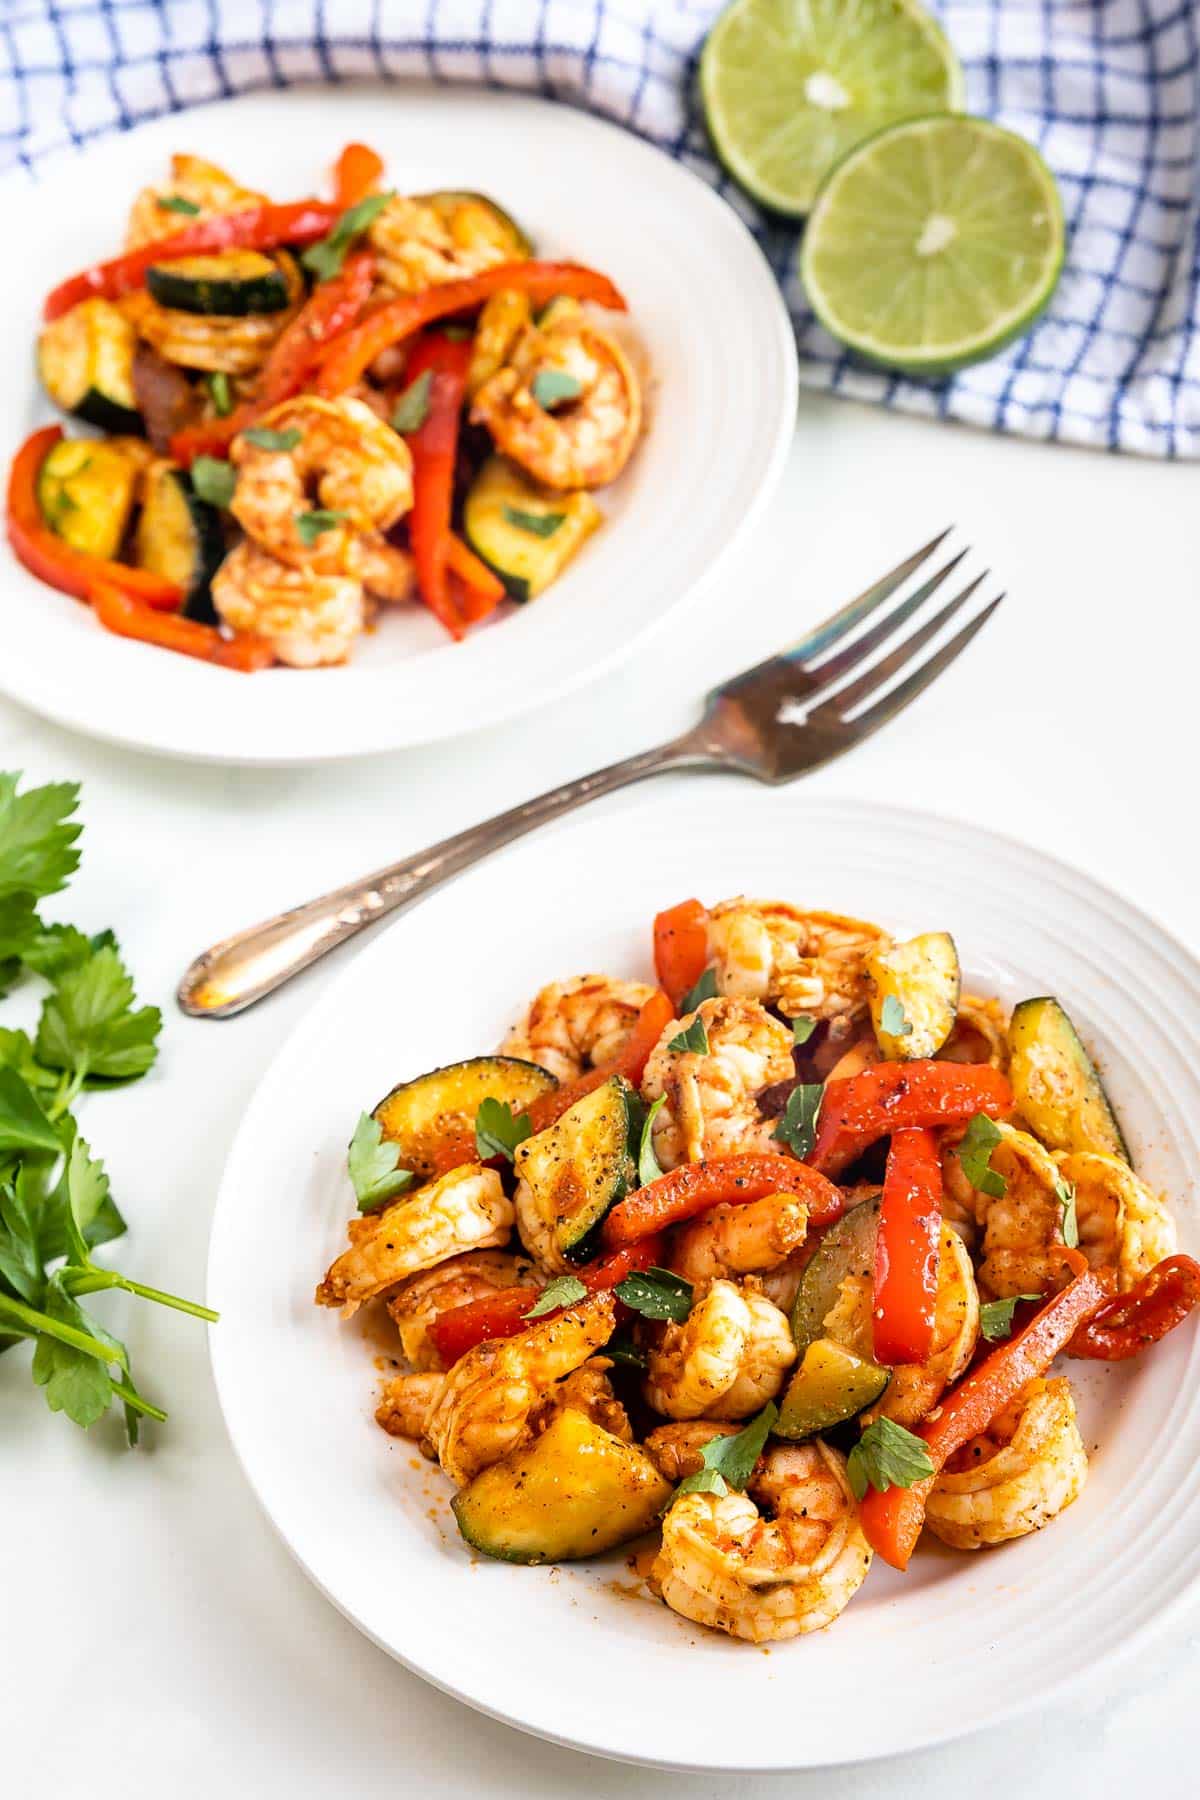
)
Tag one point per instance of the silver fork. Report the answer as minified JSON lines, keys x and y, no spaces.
{"x":780,"y":719}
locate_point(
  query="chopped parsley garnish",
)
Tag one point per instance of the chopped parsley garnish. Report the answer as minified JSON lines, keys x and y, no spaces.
{"x":975,"y":1154}
{"x":325,"y":259}
{"x":311,"y":525}
{"x":497,"y":1131}
{"x":213,"y":479}
{"x":550,"y":387}
{"x":798,"y":1126}
{"x":892,"y":1019}
{"x":695,"y":1038}
{"x":541,"y":525}
{"x":729,"y":1461}
{"x":266,"y":439}
{"x":372,"y":1162}
{"x":564,"y":1290}
{"x":887,"y":1456}
{"x":412,"y":408}
{"x":996,"y":1316}
{"x":705,"y":989}
{"x":656,"y":1294}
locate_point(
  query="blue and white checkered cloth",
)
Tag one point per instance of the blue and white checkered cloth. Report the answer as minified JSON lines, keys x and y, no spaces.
{"x":1107,"y":89}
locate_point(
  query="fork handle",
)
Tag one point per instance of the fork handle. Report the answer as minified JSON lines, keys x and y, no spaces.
{"x":244,"y":968}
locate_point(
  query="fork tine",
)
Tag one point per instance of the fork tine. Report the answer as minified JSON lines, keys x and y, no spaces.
{"x":860,"y":648}
{"x":824,"y":636}
{"x":846,"y":699}
{"x":928,"y":671}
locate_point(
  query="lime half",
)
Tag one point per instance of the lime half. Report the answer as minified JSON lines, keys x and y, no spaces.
{"x":789,"y":86}
{"x":934,"y":244}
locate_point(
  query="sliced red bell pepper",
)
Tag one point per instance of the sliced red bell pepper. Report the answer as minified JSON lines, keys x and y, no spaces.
{"x":332,"y":306}
{"x":860,"y":1109}
{"x":906,"y":1249}
{"x":504,"y":1313}
{"x":648,"y":1027}
{"x":45,"y":554}
{"x":1128,"y":1323}
{"x":127,"y":617}
{"x":723,"y":1180}
{"x":892,"y":1521}
{"x":349,"y":359}
{"x":681,"y":947}
{"x":477,"y":592}
{"x":356,"y":174}
{"x":257,"y":228}
{"x":434,"y":447}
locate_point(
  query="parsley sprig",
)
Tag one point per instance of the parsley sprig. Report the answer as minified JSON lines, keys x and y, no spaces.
{"x":729,"y":1461}
{"x":798,"y":1126}
{"x":887,"y":1456}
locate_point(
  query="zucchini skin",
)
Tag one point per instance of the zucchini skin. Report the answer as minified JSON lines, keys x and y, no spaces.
{"x":423,"y":1114}
{"x":1072,"y":1112}
{"x":85,"y":364}
{"x":448,"y":200}
{"x":525,"y":562}
{"x":197,"y":285}
{"x":179,"y":536}
{"x":581,"y":1166}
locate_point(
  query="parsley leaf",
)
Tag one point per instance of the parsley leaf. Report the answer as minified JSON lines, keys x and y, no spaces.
{"x":695,"y":1038}
{"x":175,"y":203}
{"x":220,"y":393}
{"x":649,"y":1168}
{"x":705,"y":989}
{"x":975,"y":1153}
{"x":542,"y":525}
{"x":23,"y":1124}
{"x":16,"y":1052}
{"x":892,"y":1018}
{"x":550,"y":387}
{"x":497,"y":1132}
{"x":1070,"y":1219}
{"x":803,"y":1026}
{"x":325,"y":259}
{"x":656,"y":1294}
{"x":310,"y":525}
{"x":412,"y":408}
{"x":622,"y":1350}
{"x":213,"y":479}
{"x":798,"y":1126}
{"x":887,"y":1456}
{"x":372,"y":1165}
{"x":266,"y":439}
{"x":729,"y":1461}
{"x":76,"y":1381}
{"x":996,"y":1316}
{"x":564,"y":1290}
{"x":89,"y":1026}
{"x":56,"y":948}
{"x":37,"y":836}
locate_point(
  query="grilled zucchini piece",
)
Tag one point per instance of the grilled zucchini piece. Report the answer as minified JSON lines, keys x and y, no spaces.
{"x":231,"y":283}
{"x":831,"y":1385}
{"x":915,"y":986}
{"x":582,"y":1165}
{"x":1055,"y":1084}
{"x":847,"y":1248}
{"x":179,"y":536}
{"x":526,"y":533}
{"x":437,"y":1110}
{"x":485,"y":220}
{"x":85,"y":361}
{"x":86,"y":488}
{"x":575,"y":1491}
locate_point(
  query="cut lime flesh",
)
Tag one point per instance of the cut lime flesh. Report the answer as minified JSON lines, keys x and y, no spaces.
{"x":790,"y":86}
{"x":934,"y":244}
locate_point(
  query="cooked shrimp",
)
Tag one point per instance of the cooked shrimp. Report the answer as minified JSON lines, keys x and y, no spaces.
{"x":421,"y":245}
{"x":725,"y":1361}
{"x":405,"y":1405}
{"x":464,"y":1210}
{"x":587,"y":1390}
{"x":346,"y":461}
{"x":585,"y":440}
{"x":712,"y":1095}
{"x":216,"y":342}
{"x":802,"y":962}
{"x":579,"y":1024}
{"x":308,"y":619}
{"x":979,"y":1033}
{"x":764,"y":1579}
{"x":484,"y":1406}
{"x":385,"y":570}
{"x":674,"y":1449}
{"x":1021,"y":1228}
{"x":501,"y":322}
{"x":1123,"y":1224}
{"x":1017,"y":1476}
{"x":423,"y":1298}
{"x":206,"y":190}
{"x":740,"y":1240}
{"x":915,"y":1388}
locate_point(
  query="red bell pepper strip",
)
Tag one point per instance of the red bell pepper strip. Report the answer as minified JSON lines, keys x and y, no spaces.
{"x":331,"y":308}
{"x":681,"y":947}
{"x":477,"y":591}
{"x":860,"y":1109}
{"x":648,"y":1027}
{"x":694,"y":1187}
{"x":349,"y":359}
{"x":434,"y":447}
{"x":356,"y":174}
{"x":127,"y":617}
{"x":906,"y":1249}
{"x":1127,"y":1323}
{"x":504,"y":1313}
{"x":257,"y":228}
{"x":892,"y":1521}
{"x":58,"y":564}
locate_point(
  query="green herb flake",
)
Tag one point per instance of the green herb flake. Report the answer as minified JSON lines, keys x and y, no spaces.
{"x":325,"y":259}
{"x":798,"y":1126}
{"x":551,"y":387}
{"x":622,"y":1350}
{"x":175,"y":203}
{"x":892,"y":1019}
{"x":695,"y":1039}
{"x":266,"y":439}
{"x":542,"y":525}
{"x":1065,"y":1191}
{"x":214,"y":479}
{"x":731,"y":1459}
{"x":456,"y":334}
{"x":497,"y":1131}
{"x":803,"y":1026}
{"x":564,"y":1290}
{"x":220,"y":393}
{"x":649,"y":1168}
{"x":311,"y":525}
{"x":975,"y":1153}
{"x":996,"y":1316}
{"x":705,"y":989}
{"x":412,"y":408}
{"x":372,"y":1163}
{"x":656,"y":1294}
{"x":887,"y":1456}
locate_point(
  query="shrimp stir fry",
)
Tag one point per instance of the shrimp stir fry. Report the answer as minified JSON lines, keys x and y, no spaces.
{"x":703,"y":1292}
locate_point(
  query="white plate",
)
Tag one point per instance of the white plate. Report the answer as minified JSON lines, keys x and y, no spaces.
{"x":704,"y":308}
{"x":959,"y":1642}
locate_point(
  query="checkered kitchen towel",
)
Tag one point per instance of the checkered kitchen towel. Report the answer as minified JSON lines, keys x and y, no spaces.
{"x":1106,"y":88}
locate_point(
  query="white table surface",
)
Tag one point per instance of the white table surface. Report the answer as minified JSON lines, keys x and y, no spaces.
{"x":157,"y":1637}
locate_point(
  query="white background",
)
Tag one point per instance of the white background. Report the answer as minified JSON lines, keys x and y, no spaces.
{"x":156,"y":1637}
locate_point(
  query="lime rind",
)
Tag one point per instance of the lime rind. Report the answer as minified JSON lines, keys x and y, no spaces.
{"x":777,"y":146}
{"x":1006,"y":325}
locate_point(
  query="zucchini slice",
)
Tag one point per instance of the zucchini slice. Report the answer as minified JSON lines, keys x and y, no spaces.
{"x":474,"y":218}
{"x":85,"y":361}
{"x":582,"y":1165}
{"x":914,"y":985}
{"x":847,"y":1248}
{"x":231,"y":283}
{"x":86,"y":489}
{"x":832,"y":1384}
{"x":575,"y":1491}
{"x":423,"y":1115}
{"x":1055,"y":1084}
{"x":179,"y":536}
{"x":503,"y":523}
